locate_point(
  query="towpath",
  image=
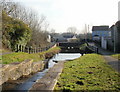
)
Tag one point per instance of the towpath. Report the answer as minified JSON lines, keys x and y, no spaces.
{"x":115,"y":63}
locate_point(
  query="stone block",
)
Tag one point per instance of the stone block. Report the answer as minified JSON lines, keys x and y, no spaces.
{"x":27,"y":67}
{"x":15,"y":71}
{"x":4,"y":73}
{"x":37,"y":66}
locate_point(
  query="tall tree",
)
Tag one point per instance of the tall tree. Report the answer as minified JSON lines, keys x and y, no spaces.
{"x":15,"y":32}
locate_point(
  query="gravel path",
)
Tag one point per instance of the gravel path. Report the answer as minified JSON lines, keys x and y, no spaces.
{"x":115,"y":63}
{"x":5,"y":53}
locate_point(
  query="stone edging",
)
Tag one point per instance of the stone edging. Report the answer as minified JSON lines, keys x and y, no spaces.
{"x":16,"y":70}
{"x":49,"y":80}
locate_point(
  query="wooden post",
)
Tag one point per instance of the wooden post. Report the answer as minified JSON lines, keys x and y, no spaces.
{"x":35,"y":49}
{"x":18,"y":48}
{"x":21,"y":48}
{"x":24,"y":49}
{"x":27,"y":49}
{"x":32,"y":50}
{"x":97,"y":50}
{"x":40,"y":49}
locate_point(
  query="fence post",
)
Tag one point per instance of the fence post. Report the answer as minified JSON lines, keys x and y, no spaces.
{"x":22,"y":48}
{"x":32,"y":50}
{"x":28,"y":50}
{"x":35,"y":50}
{"x":18,"y":47}
{"x":97,"y":50}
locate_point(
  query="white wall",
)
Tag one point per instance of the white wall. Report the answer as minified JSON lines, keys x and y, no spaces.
{"x":104,"y":43}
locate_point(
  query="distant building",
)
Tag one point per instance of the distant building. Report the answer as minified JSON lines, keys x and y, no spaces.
{"x":73,"y":39}
{"x":60,"y":39}
{"x":64,"y":37}
{"x":100,"y":31}
{"x":114,"y":42}
{"x":67,"y":35}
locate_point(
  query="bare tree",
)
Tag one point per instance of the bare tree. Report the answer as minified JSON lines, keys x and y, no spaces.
{"x":38,"y":24}
{"x":52,"y":31}
{"x":72,"y":30}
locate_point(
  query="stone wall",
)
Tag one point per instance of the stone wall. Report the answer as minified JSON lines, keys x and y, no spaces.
{"x":14,"y":71}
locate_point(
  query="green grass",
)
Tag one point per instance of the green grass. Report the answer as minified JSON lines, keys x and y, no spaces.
{"x":89,"y":72}
{"x":21,"y":56}
{"x":116,"y":56}
{"x":4,"y":50}
{"x":83,"y":46}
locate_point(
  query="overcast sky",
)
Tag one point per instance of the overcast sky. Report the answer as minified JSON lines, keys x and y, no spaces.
{"x":62,"y":14}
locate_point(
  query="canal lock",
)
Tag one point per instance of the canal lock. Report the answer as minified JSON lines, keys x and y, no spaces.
{"x":27,"y":83}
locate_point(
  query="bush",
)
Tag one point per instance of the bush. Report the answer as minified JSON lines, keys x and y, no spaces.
{"x":15,"y":32}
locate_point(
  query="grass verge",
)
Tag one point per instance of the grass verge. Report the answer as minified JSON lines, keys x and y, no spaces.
{"x":21,"y":56}
{"x":4,"y":50}
{"x":89,"y":72}
{"x":116,"y":56}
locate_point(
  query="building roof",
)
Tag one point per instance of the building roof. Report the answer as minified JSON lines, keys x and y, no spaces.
{"x":100,"y":28}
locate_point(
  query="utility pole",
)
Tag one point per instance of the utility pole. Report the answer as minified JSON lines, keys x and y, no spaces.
{"x":114,"y":38}
{"x":85,"y":32}
{"x":88,"y":33}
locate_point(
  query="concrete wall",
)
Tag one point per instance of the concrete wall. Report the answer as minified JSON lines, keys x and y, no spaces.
{"x":16,"y":70}
{"x":114,"y":42}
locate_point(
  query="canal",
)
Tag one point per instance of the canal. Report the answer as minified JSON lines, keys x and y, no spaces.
{"x":27,"y":84}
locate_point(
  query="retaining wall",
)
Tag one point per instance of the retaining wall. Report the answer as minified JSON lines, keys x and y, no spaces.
{"x":14,"y":71}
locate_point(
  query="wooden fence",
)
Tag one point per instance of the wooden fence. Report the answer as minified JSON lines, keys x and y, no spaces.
{"x":30,"y":49}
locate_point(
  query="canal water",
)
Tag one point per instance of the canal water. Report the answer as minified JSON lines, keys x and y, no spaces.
{"x":62,"y":57}
{"x":58,"y":57}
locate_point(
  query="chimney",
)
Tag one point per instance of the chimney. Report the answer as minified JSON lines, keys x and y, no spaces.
{"x":118,"y":10}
